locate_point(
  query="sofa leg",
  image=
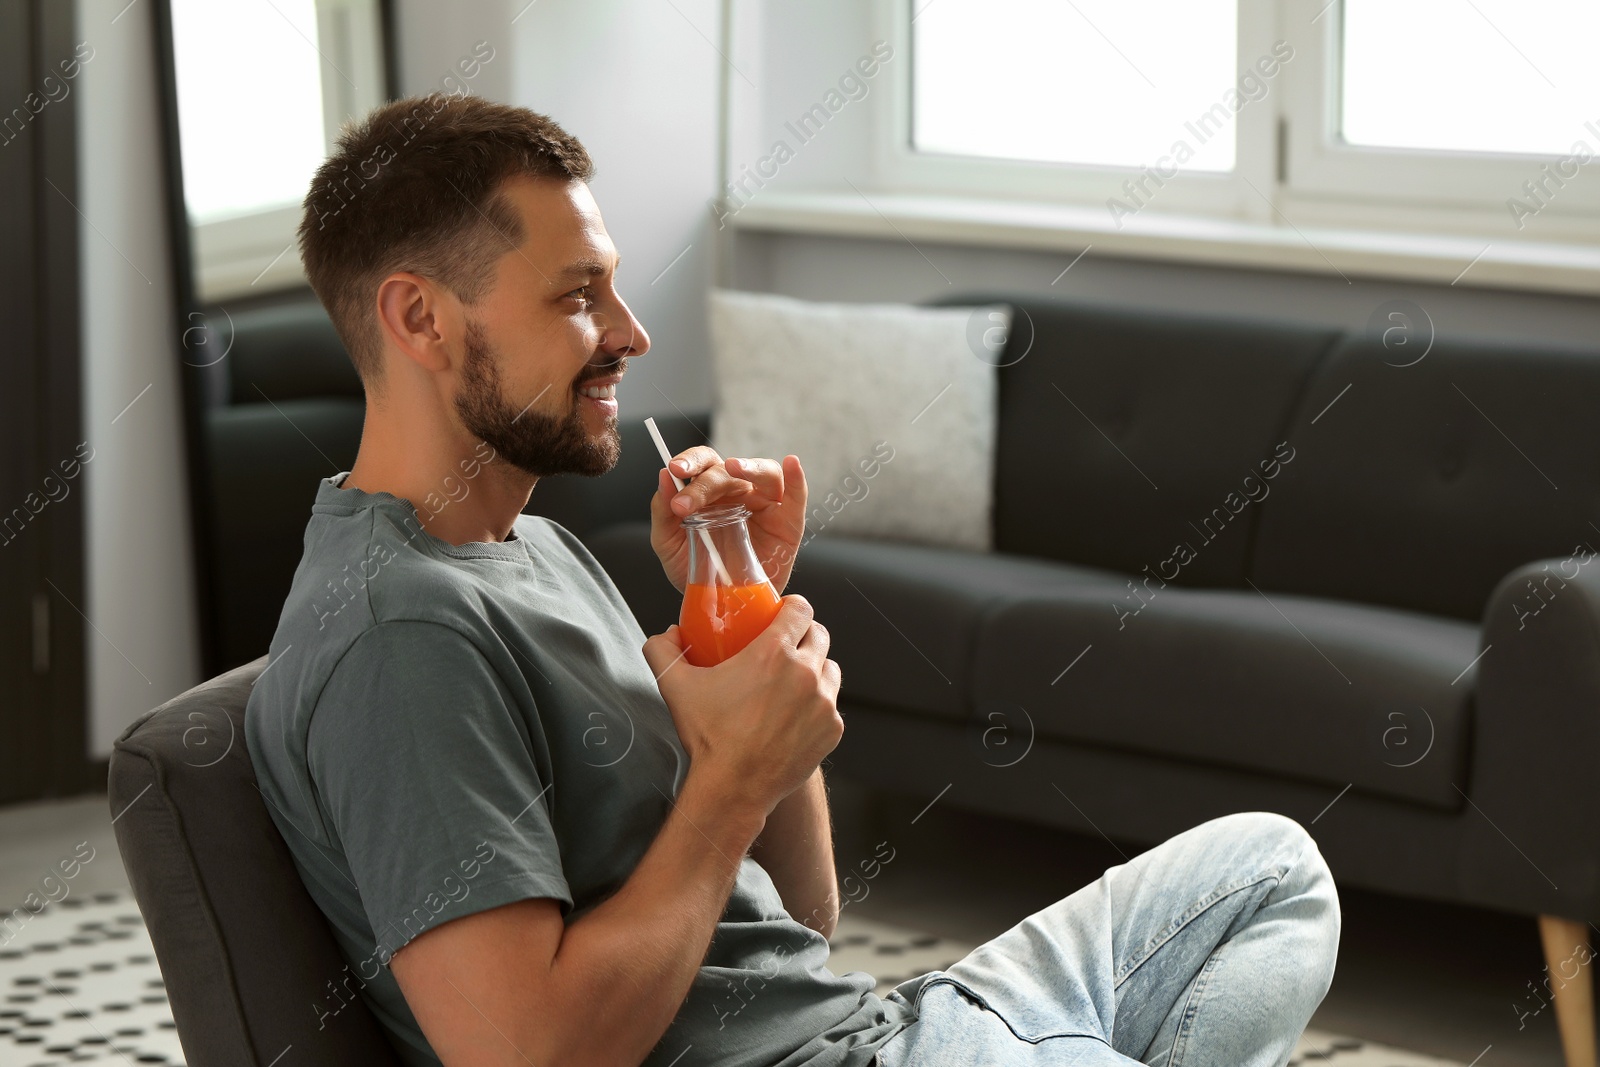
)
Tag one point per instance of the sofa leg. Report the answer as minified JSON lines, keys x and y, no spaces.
{"x":1564,"y":940}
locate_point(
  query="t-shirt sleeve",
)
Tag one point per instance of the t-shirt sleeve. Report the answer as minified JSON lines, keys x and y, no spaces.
{"x":425,"y":771}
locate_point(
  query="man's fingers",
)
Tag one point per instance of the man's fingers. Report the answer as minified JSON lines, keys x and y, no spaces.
{"x":793,"y":619}
{"x":663,"y":650}
{"x":795,"y":480}
{"x":661,"y":501}
{"x":664,"y":525}
{"x":764,"y":475}
{"x":691,"y":461}
{"x":832,"y":677}
{"x":816,"y":641}
{"x":709,"y":486}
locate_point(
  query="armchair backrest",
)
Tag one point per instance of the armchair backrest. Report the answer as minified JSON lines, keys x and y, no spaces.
{"x":245,"y":953}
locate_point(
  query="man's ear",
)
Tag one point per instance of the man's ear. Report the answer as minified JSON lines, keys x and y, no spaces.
{"x":416,"y":318}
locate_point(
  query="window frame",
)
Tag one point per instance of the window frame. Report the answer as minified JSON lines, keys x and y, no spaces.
{"x":1292,"y":165}
{"x":904,"y":169}
{"x":254,"y":252}
{"x":1470,"y":188}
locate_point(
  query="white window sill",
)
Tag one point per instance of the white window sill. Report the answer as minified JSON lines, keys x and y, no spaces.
{"x":1349,"y":253}
{"x":246,"y":255}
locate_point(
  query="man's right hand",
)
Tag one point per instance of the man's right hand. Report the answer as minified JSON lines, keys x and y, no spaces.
{"x":603,"y":988}
{"x":757,"y":724}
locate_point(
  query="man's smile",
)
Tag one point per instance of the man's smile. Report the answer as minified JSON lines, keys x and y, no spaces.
{"x":601,"y":393}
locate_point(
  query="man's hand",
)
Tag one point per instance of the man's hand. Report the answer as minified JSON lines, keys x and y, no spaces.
{"x":774,"y":492}
{"x":756,"y":725}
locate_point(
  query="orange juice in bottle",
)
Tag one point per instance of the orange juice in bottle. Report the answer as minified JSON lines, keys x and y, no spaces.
{"x":728,"y":599}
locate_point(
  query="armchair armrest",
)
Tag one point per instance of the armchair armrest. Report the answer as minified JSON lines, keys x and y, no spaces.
{"x":1532,"y":832}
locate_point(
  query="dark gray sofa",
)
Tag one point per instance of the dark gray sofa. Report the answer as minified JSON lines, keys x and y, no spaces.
{"x":1394,"y":638}
{"x":1323,"y":652}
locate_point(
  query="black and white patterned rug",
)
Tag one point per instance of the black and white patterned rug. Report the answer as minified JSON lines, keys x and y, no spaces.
{"x":79,"y":984}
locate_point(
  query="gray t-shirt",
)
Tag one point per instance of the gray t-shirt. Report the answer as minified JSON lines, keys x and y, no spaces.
{"x":445,"y":729}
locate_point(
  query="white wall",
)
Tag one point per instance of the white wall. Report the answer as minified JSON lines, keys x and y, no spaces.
{"x":637,"y":82}
{"x":792,"y":55}
{"x":143,"y":636}
{"x":433,"y":35}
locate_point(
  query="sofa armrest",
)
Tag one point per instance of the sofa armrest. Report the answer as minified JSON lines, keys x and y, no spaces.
{"x":584,"y":505}
{"x":1531,"y":830}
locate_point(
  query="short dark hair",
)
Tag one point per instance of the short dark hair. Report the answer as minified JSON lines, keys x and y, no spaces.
{"x":416,"y":186}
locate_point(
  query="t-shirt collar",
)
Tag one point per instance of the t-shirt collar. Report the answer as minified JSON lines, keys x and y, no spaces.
{"x":331,"y":495}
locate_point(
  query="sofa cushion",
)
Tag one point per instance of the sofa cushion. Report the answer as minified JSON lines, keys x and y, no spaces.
{"x":1309,"y":689}
{"x":904,"y":618}
{"x":1121,"y":431}
{"x":850,"y":387}
{"x":1423,"y":485}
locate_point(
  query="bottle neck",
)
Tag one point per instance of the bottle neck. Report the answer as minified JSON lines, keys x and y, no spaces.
{"x":729,"y":545}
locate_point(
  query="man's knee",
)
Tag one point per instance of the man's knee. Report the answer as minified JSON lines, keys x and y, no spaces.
{"x":1266,"y":827}
{"x":1268,"y":836}
{"x":1284,"y":848}
{"x":1306,"y":887}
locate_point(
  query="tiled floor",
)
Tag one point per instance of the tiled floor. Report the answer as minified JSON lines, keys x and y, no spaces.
{"x":35,"y":839}
{"x":79,"y":984}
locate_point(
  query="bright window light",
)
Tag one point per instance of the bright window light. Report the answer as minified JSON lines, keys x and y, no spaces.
{"x":249,"y":104}
{"x":1470,"y":75}
{"x":1098,"y":82}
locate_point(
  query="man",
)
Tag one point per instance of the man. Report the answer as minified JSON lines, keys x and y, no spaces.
{"x":541,"y":839}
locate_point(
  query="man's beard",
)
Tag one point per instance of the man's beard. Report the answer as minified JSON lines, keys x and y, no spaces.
{"x":530,"y":440}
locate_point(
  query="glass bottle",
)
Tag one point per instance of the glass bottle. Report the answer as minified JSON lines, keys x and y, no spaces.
{"x":728,"y":599}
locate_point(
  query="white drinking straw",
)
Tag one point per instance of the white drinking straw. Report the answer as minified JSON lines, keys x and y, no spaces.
{"x":705,"y":535}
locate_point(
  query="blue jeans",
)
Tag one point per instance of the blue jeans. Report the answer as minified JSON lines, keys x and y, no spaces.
{"x":1210,"y":950}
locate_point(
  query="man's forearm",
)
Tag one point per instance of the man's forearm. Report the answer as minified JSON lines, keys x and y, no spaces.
{"x":796,"y":849}
{"x":629,"y":963}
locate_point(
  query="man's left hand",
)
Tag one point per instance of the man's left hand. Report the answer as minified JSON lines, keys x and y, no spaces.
{"x":774,"y":492}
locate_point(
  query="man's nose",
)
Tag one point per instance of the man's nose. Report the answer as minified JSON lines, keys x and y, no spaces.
{"x":622,"y":334}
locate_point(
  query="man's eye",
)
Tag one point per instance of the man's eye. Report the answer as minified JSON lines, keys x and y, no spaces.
{"x":584,"y":293}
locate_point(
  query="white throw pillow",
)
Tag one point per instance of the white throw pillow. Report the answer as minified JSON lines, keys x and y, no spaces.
{"x":890,"y":408}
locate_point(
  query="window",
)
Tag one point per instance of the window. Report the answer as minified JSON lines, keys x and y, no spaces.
{"x":1455,"y":118}
{"x":255,"y":123}
{"x":1478,"y":76}
{"x":1064,"y":92}
{"x":255,"y":148}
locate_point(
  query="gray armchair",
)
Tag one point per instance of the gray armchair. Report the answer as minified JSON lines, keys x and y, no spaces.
{"x":247,"y":957}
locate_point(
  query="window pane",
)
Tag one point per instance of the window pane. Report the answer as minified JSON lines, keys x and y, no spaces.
{"x":249,"y":103}
{"x":1470,"y":75}
{"x":1076,"y":81}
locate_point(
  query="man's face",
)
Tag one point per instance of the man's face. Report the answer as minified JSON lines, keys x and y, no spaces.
{"x":550,"y":332}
